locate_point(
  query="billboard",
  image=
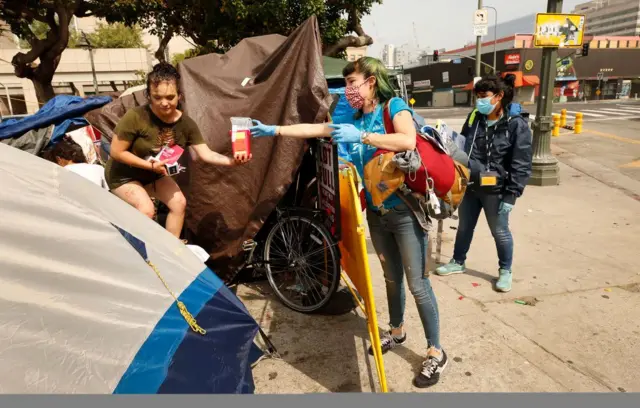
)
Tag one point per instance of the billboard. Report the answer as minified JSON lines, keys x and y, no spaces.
{"x":559,"y":30}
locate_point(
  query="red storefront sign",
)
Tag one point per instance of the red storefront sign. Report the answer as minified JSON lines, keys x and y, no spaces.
{"x":512,"y":59}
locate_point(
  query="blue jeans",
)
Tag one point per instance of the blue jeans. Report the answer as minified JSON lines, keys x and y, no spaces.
{"x":401,"y":244}
{"x":469,"y":212}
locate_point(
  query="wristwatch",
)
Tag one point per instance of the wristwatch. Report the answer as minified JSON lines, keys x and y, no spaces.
{"x":364,"y":138}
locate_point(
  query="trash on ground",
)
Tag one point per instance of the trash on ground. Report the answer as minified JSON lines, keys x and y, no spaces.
{"x":527,"y":301}
{"x":475,"y":285}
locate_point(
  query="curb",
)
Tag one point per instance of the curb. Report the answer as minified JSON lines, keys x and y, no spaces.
{"x":603,"y":174}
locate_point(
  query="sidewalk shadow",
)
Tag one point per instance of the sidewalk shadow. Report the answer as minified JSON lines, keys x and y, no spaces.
{"x":324,"y":348}
{"x":481,"y":275}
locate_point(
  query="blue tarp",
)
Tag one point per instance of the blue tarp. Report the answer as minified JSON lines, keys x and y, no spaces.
{"x":54,"y":112}
{"x":60,"y":130}
{"x":175,"y":360}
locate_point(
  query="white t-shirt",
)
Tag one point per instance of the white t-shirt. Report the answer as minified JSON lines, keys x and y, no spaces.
{"x":92,"y":172}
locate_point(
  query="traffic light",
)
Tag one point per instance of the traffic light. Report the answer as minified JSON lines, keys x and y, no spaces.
{"x":585,"y":49}
{"x":436,"y":54}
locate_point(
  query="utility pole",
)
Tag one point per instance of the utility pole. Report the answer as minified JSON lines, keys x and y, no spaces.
{"x":545,"y":165}
{"x":87,"y":44}
{"x":495,"y":39}
{"x":479,"y":48}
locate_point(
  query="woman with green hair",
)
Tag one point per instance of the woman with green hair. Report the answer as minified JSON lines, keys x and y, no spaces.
{"x":398,"y":232}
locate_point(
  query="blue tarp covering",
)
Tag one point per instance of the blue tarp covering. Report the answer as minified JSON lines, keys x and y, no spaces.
{"x":54,"y":112}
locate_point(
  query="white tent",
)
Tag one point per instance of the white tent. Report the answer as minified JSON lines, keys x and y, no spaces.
{"x":81,"y":311}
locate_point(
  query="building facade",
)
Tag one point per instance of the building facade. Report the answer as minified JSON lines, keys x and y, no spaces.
{"x":611,"y":17}
{"x":115,"y":69}
{"x":611,"y":70}
{"x":389,"y":55}
{"x":355,"y":53}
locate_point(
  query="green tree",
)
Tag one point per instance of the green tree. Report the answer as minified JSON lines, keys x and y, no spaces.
{"x":178,"y":58}
{"x":116,"y":35}
{"x":217,"y":25}
{"x":44,"y":25}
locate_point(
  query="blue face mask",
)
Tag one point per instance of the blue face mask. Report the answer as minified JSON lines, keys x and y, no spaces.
{"x":485,"y":106}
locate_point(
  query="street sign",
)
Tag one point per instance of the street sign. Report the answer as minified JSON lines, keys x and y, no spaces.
{"x":481,"y":17}
{"x":600,"y":76}
{"x":559,"y":30}
{"x":412,"y":102}
{"x":481,"y":22}
{"x":480,"y":31}
{"x":566,"y":61}
{"x":445,"y":76}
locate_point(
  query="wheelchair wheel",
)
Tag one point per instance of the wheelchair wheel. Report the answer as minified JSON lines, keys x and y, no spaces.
{"x":301,"y":262}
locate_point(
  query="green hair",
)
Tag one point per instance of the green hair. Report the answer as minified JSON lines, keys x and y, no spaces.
{"x":372,"y":67}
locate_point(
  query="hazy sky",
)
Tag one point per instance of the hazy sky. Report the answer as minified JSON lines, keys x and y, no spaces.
{"x":440,"y":23}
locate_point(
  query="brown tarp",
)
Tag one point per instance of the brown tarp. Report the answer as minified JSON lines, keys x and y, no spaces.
{"x":227,"y":206}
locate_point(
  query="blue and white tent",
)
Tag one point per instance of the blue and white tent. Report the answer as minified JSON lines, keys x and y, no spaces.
{"x":86,"y":296}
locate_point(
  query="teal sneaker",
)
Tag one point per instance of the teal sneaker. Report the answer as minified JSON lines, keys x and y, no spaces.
{"x":451,"y":268}
{"x":504,"y":281}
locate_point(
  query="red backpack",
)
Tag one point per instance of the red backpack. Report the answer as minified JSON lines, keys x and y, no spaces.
{"x":437,"y":166}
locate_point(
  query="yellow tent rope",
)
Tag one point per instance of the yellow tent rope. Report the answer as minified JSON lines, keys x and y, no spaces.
{"x":188,"y":317}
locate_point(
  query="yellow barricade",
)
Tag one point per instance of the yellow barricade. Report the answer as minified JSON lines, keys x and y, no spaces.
{"x":556,"y":125}
{"x":355,"y":262}
{"x":578,"y":125}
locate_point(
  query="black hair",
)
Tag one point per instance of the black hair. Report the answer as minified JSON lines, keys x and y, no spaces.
{"x":496,"y":85}
{"x":162,"y":71}
{"x":65,"y":149}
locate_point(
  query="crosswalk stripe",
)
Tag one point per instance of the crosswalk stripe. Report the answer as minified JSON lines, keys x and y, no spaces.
{"x":586,"y":113}
{"x":597,"y":114}
{"x":630,"y":107}
{"x":629,"y":110}
{"x":614,"y":112}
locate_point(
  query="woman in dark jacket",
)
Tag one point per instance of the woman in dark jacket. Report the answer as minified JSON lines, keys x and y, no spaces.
{"x":498,"y":141}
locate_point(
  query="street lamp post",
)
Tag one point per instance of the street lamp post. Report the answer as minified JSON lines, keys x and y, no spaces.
{"x":85,"y":43}
{"x":495,"y":38}
{"x":479,"y":48}
{"x":545,"y":166}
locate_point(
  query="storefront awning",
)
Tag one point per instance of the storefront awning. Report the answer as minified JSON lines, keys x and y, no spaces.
{"x":521,"y":80}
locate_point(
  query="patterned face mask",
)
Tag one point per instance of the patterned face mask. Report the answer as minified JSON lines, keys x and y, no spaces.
{"x":355,"y":99}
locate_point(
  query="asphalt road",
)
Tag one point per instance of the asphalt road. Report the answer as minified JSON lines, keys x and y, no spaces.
{"x":609,"y":110}
{"x":610,"y":137}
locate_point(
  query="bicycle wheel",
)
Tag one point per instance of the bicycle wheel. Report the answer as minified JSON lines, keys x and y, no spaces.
{"x":301,"y":262}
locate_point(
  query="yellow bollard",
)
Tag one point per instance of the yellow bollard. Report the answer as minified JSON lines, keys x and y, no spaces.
{"x":563,"y":118}
{"x":578,"y":125}
{"x":556,"y":125}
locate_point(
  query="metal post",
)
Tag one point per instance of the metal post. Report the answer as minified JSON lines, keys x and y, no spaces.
{"x":545,"y":165}
{"x":495,"y":39}
{"x":93,"y":71}
{"x":478,"y":48}
{"x":93,"y":67}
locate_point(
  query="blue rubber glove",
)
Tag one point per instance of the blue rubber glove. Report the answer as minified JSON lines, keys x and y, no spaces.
{"x":260,"y":130}
{"x":346,"y":133}
{"x":505,"y":208}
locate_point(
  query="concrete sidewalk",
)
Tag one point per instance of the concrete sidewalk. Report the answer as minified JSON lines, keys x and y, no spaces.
{"x":576,"y":248}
